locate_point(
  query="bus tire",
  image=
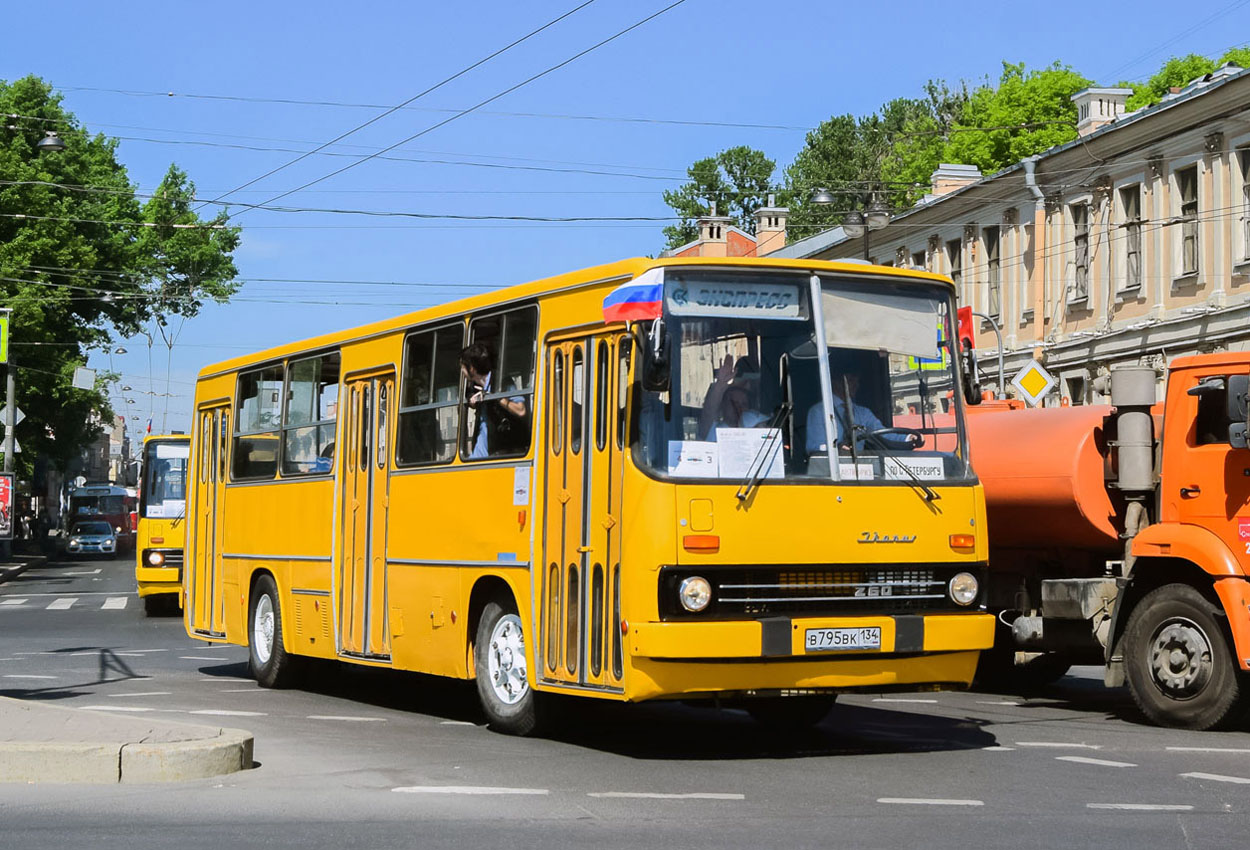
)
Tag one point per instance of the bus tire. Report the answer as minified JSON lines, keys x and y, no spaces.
{"x":503,"y":687}
{"x":1178,"y":662}
{"x":788,"y":714}
{"x":270,"y":663}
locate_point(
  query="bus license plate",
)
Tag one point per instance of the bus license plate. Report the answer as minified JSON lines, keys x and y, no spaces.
{"x":824,"y":640}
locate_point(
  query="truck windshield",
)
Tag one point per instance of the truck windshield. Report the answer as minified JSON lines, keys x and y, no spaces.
{"x":745,"y":394}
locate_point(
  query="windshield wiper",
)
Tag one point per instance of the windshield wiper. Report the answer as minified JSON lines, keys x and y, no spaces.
{"x":756,"y":470}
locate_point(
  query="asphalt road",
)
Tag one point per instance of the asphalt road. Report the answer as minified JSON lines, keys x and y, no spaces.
{"x":375,"y":759}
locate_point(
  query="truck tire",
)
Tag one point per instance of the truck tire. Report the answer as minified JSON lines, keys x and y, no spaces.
{"x":500,"y":663}
{"x":1178,"y":662}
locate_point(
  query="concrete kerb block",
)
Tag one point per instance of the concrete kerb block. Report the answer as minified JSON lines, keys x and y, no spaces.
{"x":230,"y":752}
{"x":59,"y":762}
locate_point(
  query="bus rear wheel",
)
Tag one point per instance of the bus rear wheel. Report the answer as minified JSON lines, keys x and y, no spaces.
{"x":271,"y":665}
{"x":510,"y":704}
{"x":1179,"y":665}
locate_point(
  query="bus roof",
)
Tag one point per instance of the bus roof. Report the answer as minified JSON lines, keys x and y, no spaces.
{"x":622,"y":270}
{"x":172,"y":438}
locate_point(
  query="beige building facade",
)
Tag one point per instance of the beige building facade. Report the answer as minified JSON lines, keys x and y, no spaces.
{"x":1129,"y":245}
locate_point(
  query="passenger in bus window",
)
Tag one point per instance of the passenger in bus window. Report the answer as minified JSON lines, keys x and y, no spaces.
{"x":864,"y":421}
{"x":732,"y":400}
{"x":501,"y":425}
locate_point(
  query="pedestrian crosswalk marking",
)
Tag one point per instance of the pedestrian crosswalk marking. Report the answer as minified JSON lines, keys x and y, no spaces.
{"x":62,"y":604}
{"x":14,"y":602}
{"x":114,"y":603}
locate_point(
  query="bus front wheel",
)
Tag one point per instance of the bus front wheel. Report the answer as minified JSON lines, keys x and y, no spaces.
{"x":271,"y":665}
{"x":508,"y":701}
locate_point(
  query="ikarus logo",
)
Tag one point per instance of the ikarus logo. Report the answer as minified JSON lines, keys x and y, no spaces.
{"x":878,"y":537}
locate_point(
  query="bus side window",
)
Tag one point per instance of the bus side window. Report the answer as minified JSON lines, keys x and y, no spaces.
{"x":429,"y":396}
{"x":311,"y":408}
{"x":258,"y":413}
{"x":508,"y":403}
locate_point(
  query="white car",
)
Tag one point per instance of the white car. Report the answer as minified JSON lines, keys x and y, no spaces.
{"x":91,"y":538}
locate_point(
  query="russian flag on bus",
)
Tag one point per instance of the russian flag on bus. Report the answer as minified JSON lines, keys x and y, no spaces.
{"x":641,"y":298}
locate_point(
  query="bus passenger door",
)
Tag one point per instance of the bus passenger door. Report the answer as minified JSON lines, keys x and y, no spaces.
{"x":581,"y":512}
{"x":363,"y":461}
{"x":205,"y":602}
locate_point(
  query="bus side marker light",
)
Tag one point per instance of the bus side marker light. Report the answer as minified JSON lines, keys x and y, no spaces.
{"x":624,"y":627}
{"x":963,"y":541}
{"x":520,"y":518}
{"x":701,"y":542}
{"x":158,"y":540}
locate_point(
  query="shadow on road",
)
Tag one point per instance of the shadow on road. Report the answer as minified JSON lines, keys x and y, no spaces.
{"x":111,"y":668}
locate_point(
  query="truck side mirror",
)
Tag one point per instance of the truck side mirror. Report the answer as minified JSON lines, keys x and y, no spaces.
{"x":1238,"y":410}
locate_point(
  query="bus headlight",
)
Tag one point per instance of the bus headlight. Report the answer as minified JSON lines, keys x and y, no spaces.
{"x":695,"y":593}
{"x":964,"y":588}
{"x":155,"y":559}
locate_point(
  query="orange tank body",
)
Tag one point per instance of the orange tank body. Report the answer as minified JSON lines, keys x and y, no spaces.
{"x":1044,"y":478}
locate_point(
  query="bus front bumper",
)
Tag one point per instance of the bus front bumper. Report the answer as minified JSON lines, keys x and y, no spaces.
{"x":688,"y":659}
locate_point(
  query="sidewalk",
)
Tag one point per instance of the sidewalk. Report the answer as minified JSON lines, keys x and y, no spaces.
{"x":42,"y":742}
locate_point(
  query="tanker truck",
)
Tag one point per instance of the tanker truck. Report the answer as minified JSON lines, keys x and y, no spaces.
{"x":1120,"y":535}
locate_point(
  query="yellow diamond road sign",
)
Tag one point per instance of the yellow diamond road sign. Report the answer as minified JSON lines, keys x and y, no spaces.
{"x":1033,"y":382}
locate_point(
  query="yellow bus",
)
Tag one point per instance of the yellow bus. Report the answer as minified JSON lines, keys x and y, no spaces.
{"x":161,"y":526}
{"x":615,"y":483}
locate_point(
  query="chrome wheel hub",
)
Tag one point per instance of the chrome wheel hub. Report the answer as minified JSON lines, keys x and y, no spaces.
{"x":262,"y":629}
{"x":505,"y":658}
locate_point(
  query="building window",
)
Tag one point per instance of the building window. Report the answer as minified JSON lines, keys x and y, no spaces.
{"x":1130,"y":202}
{"x":1080,"y":245}
{"x":993,"y":272}
{"x":918,"y":259}
{"x":1187,"y":190}
{"x":955,"y":261}
{"x":1243,"y":158}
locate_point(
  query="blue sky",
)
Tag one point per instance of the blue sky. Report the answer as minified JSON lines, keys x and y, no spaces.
{"x":785,"y":63}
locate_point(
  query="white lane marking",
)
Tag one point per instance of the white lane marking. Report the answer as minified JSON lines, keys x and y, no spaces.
{"x":225,"y":712}
{"x":1140,"y":807}
{"x":1208,"y":749}
{"x":199,"y":658}
{"x":61,"y":604}
{"x":1100,"y":762}
{"x":1215,"y":777}
{"x":224,"y":680}
{"x":456,"y":723}
{"x":257,"y":691}
{"x":26,"y":676}
{"x":14,"y":602}
{"x":472,"y":790}
{"x":921,"y":801}
{"x":996,"y":702}
{"x":346,"y":718}
{"x":129,"y":654}
{"x":998,"y":749}
{"x":144,"y":694}
{"x":1059,"y":745}
{"x":134,"y":708}
{"x":94,"y":572}
{"x":114,"y":603}
{"x":149,"y":650}
{"x":644,"y":795}
{"x":904,"y":699}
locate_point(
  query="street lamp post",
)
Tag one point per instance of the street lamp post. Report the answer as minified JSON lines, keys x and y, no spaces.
{"x":858,"y":224}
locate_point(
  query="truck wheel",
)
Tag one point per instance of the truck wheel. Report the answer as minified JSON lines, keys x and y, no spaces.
{"x":1177,"y":660}
{"x":271,"y":665}
{"x":510,"y":704}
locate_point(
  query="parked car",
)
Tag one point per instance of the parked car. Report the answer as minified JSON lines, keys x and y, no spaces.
{"x":93,"y":537}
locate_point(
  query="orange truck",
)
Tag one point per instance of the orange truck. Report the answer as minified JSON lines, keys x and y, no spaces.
{"x":1120,"y":535}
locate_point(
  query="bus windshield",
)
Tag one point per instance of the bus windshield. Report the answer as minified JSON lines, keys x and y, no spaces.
{"x":746,"y":394}
{"x":164,"y":479}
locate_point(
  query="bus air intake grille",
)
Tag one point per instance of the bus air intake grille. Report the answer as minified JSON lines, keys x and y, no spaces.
{"x":750,"y":592}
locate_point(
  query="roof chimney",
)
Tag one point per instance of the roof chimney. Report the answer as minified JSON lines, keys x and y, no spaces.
{"x":1098,"y":107}
{"x":951,"y":177}
{"x":713,"y":233}
{"x":770,"y":227}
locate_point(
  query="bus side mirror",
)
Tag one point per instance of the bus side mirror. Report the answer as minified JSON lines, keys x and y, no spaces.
{"x":1238,"y":410}
{"x":655,"y":359}
{"x":972,"y":386}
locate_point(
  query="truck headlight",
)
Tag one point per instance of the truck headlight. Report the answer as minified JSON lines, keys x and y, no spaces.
{"x":155,"y":559}
{"x":695,"y":593}
{"x":964,"y":588}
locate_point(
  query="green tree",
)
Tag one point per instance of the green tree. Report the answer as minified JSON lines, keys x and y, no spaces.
{"x":1179,"y":71}
{"x":82,"y":258}
{"x":1025,"y":114}
{"x":737,"y":180}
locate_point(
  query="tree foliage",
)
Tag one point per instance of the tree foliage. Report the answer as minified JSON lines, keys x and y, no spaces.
{"x":736,"y":180}
{"x":1178,"y":72}
{"x":82,"y":257}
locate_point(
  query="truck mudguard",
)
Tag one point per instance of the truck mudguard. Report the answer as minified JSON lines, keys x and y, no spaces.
{"x":1234,"y":593}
